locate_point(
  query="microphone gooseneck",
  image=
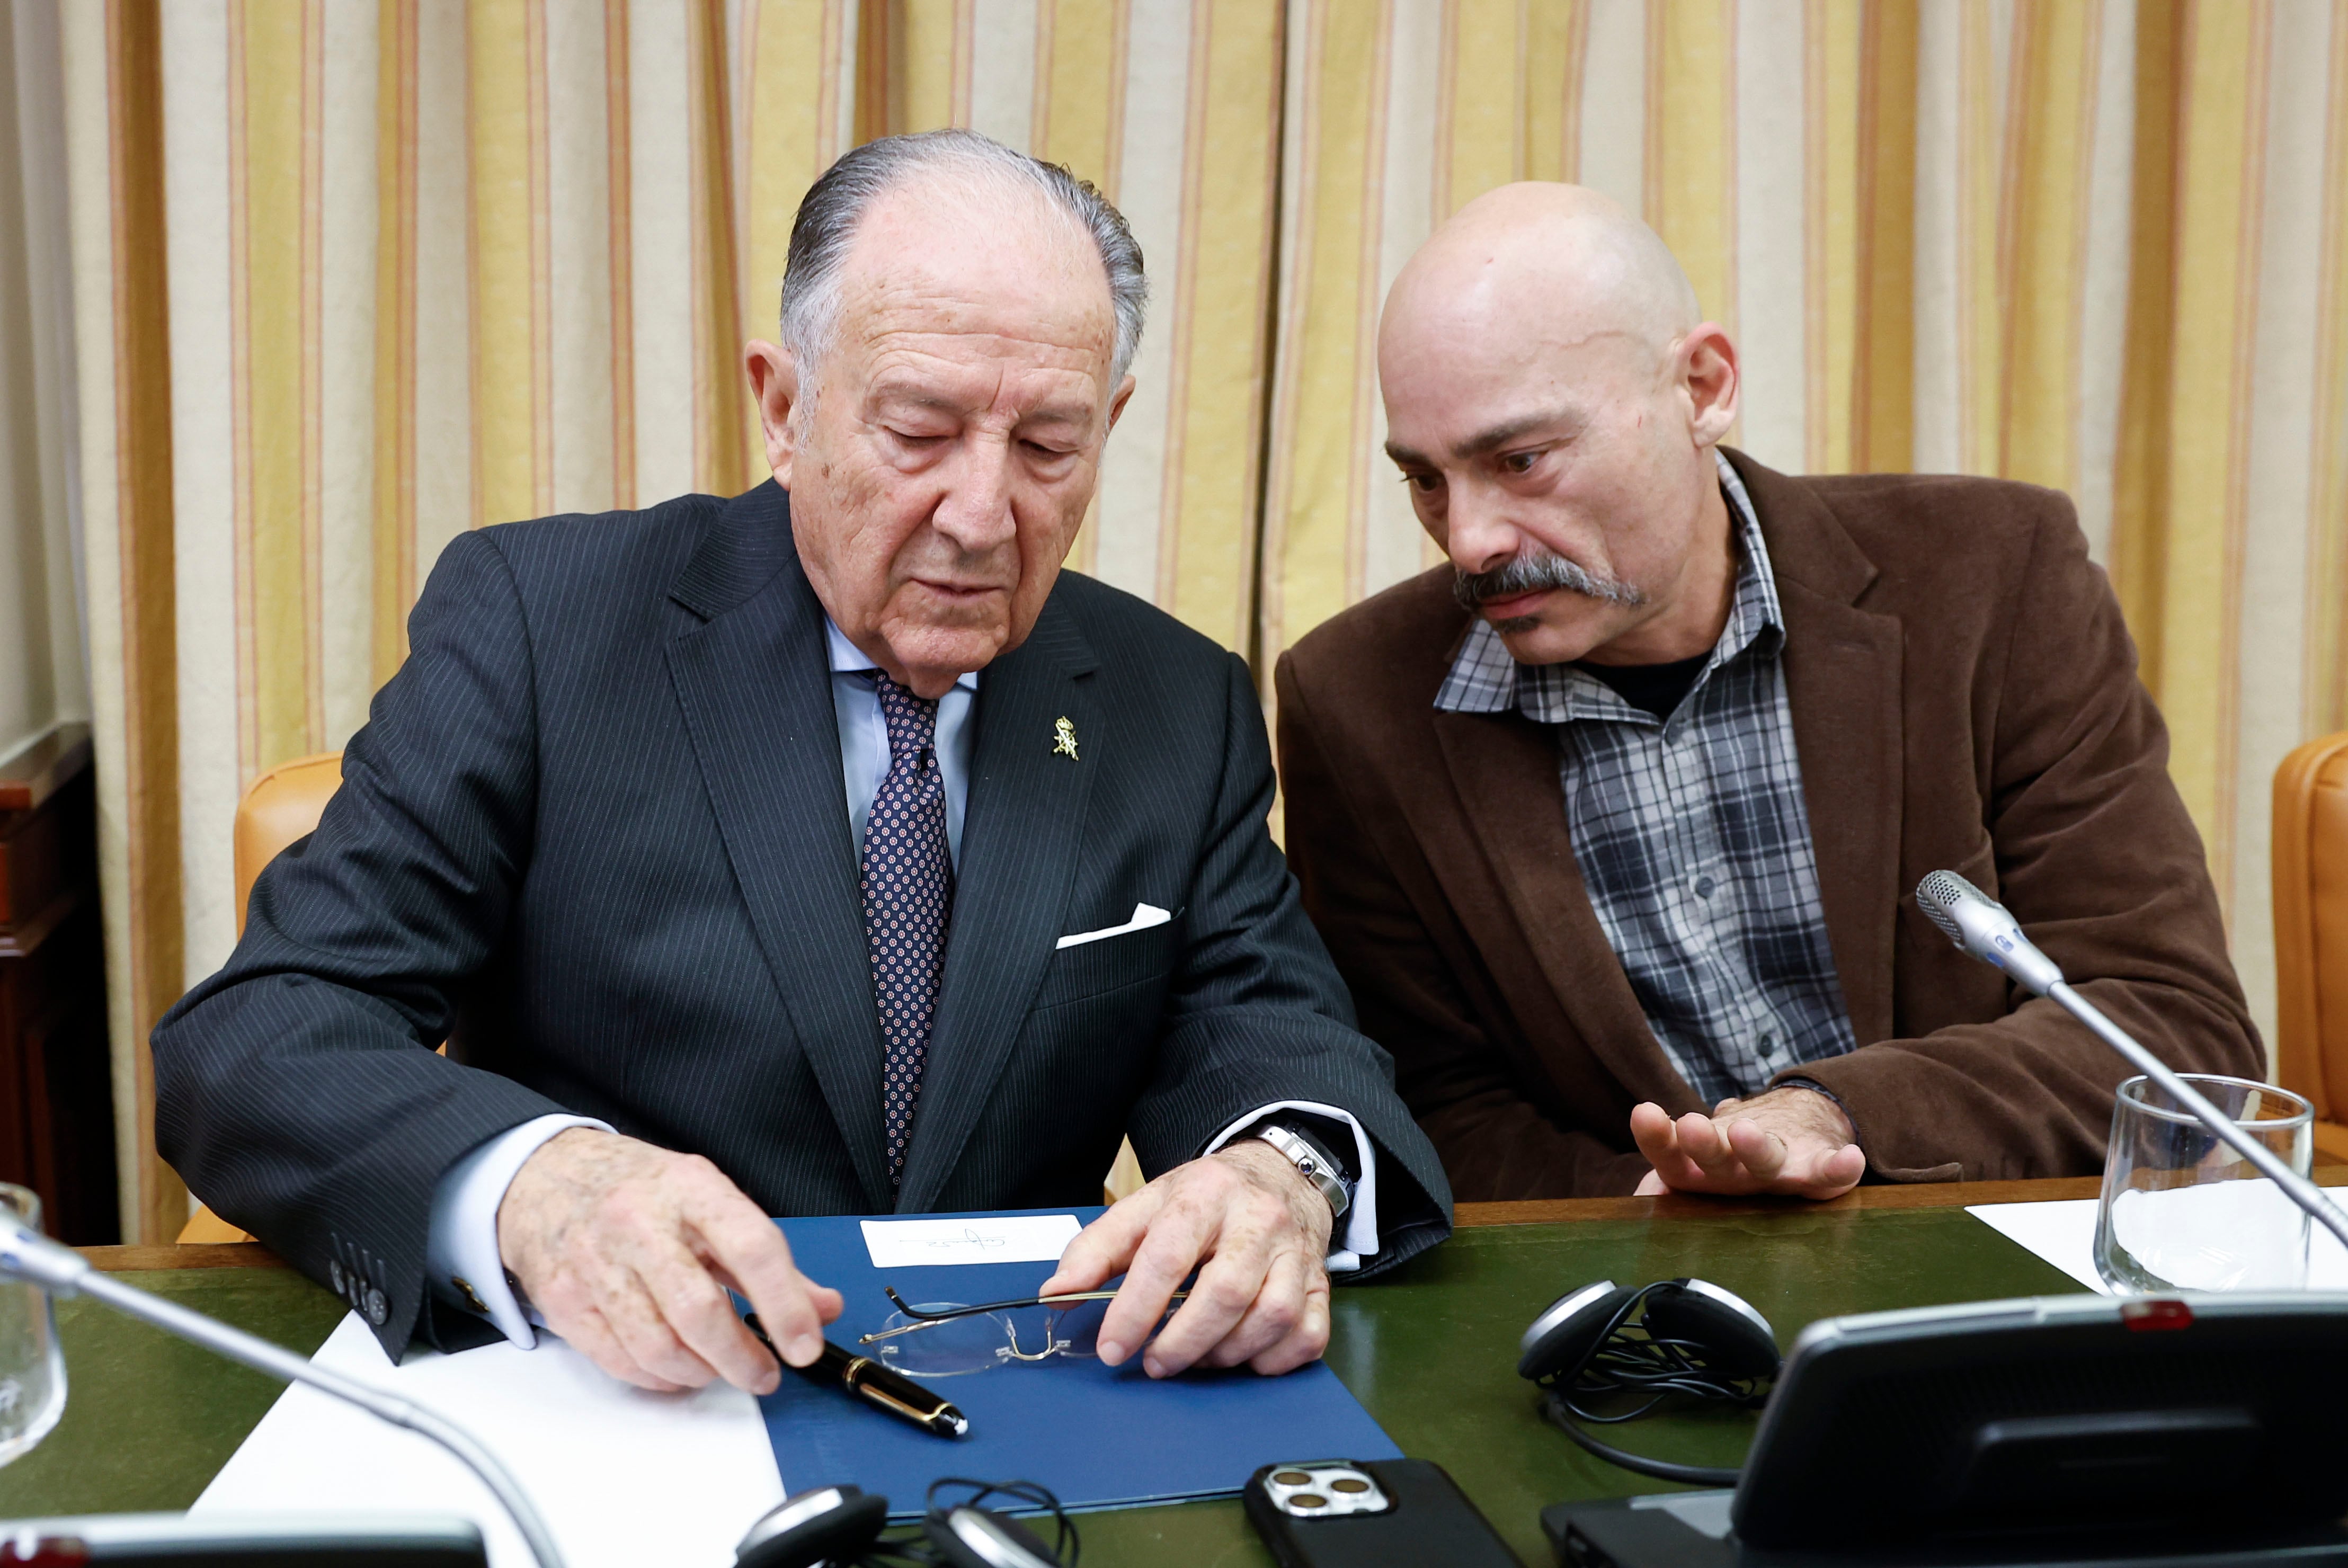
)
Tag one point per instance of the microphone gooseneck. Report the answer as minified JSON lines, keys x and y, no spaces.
{"x":28,"y":1255}
{"x":1987,"y":930}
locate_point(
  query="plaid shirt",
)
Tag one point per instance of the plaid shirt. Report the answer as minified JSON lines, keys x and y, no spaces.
{"x":1693,"y":838}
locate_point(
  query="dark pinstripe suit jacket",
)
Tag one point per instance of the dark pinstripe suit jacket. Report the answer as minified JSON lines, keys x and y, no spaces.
{"x":594,"y":835}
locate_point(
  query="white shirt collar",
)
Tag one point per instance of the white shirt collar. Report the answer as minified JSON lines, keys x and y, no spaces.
{"x":847,"y":658}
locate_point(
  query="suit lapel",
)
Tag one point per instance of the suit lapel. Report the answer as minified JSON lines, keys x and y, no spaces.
{"x":752,"y":678}
{"x":1022,"y":827}
{"x":1843,"y":687}
{"x":1504,"y":768}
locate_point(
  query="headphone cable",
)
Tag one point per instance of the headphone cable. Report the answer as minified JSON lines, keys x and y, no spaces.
{"x":1554,"y":1406}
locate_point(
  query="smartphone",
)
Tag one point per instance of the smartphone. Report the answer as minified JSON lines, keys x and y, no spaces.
{"x":1375,"y":1514}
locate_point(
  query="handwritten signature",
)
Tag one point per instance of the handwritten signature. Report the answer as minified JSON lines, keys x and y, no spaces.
{"x":968,"y":1238}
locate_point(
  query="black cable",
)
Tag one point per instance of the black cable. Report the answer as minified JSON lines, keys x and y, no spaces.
{"x":1553,"y":1406}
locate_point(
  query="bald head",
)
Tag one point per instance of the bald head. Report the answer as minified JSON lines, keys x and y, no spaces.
{"x":1553,"y":396}
{"x":1561,"y":262}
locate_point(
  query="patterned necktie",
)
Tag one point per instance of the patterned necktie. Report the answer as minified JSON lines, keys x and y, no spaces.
{"x":908,"y":879}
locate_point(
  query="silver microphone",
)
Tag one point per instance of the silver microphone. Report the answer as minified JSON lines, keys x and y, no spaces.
{"x":28,"y":1255}
{"x":1986,"y":929}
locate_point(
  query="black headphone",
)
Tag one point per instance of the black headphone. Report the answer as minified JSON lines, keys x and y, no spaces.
{"x":841,"y":1526}
{"x":1691,"y":1339}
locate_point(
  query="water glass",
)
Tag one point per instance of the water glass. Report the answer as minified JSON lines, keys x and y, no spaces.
{"x":32,"y":1368}
{"x":2181,"y":1210}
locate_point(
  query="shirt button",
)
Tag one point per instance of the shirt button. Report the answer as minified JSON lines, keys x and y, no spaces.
{"x":1704,"y":887}
{"x":1769,"y":1045}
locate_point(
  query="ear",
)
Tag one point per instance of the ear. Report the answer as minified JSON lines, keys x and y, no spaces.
{"x":774,"y":375}
{"x":1706,"y":362}
{"x":1117,"y":404}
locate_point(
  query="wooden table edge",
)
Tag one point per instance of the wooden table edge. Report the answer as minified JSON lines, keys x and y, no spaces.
{"x":183,"y":1255}
{"x":1890,"y":1195}
{"x":1693,"y":1206}
{"x":1465,"y":1216}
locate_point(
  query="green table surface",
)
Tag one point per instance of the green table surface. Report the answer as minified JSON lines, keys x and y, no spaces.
{"x":1431,"y":1351}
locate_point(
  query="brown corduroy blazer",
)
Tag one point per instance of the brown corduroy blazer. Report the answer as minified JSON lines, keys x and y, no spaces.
{"x":1964,"y":695}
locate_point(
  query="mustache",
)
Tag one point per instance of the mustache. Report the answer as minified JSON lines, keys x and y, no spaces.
{"x":1536,"y":571}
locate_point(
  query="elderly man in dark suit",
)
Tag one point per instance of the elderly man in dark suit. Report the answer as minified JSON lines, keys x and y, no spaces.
{"x":1612,"y":823}
{"x":821,"y":850}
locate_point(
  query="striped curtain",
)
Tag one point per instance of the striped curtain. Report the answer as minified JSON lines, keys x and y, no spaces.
{"x":351,"y":276}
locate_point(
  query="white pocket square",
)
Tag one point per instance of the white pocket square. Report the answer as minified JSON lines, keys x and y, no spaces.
{"x":1145,"y":915}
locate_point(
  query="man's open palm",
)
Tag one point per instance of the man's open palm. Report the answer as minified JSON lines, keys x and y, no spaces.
{"x":1791,"y":1142}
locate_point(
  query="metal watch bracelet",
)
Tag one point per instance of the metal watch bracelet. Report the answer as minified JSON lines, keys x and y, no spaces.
{"x":1310,"y":1165}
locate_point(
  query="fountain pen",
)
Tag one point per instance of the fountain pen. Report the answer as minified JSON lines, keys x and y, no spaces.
{"x":861,"y":1377}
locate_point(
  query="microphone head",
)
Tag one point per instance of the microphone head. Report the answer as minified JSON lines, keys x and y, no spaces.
{"x":1941,"y":895}
{"x":1986,"y":929}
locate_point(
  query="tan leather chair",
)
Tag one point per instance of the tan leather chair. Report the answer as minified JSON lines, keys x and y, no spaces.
{"x":283,"y":805}
{"x":2311,"y":921}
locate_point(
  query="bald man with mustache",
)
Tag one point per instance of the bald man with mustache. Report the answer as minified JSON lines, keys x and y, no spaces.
{"x":1612,"y":823}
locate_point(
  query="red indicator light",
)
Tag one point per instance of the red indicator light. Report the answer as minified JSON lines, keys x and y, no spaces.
{"x":43,"y":1551}
{"x":2148,"y":1316}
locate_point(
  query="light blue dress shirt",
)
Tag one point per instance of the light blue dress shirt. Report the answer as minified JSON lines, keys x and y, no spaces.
{"x":864,"y":737}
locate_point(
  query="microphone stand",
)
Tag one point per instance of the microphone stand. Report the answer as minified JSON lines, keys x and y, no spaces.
{"x":31,"y":1258}
{"x":2298,"y":1188}
{"x":1982,"y":928}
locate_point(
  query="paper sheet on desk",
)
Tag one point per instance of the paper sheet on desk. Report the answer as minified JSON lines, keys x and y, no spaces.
{"x":620,"y":1476}
{"x":2064,"y":1234}
{"x":994,"y":1239}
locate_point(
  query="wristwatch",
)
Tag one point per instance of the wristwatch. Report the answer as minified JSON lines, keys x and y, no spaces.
{"x":1312,"y":1162}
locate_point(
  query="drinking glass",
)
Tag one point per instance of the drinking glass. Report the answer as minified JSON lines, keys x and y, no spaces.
{"x":32,"y":1368}
{"x":2181,"y":1210}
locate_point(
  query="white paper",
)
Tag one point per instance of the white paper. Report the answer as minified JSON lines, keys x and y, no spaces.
{"x":1009,"y":1239}
{"x":622,"y":1476}
{"x":1145,"y":915}
{"x":2064,"y":1234}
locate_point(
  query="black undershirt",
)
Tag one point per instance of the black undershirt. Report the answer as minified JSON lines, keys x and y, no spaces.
{"x":1658,"y":688}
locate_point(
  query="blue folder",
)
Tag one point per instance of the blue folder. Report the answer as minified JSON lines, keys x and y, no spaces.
{"x":1098,"y":1436}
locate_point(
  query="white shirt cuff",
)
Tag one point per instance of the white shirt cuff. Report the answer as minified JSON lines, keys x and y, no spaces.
{"x":460,"y":1254}
{"x":1360,"y":1238}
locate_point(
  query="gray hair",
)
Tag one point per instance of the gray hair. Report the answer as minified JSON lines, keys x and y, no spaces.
{"x":836,"y":204}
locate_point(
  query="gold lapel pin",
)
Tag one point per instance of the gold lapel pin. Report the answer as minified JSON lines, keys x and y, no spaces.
{"x":1064,"y":739}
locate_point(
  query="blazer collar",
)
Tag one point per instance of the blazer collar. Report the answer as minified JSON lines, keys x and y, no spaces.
{"x":1843,"y":684}
{"x":752,"y":680}
{"x":750,"y":542}
{"x":1807,"y":543}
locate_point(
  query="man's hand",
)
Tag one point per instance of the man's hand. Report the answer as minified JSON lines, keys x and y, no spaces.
{"x":1261,"y":1231}
{"x":627,"y":1251}
{"x":1794,"y":1141}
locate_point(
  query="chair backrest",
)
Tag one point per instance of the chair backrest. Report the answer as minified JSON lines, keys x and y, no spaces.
{"x":283,"y":805}
{"x":2311,"y":910}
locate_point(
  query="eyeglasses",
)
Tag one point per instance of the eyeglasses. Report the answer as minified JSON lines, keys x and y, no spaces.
{"x":947,"y":1339}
